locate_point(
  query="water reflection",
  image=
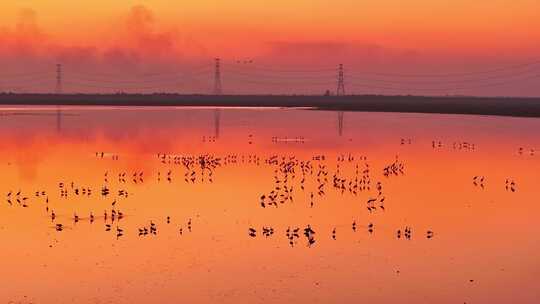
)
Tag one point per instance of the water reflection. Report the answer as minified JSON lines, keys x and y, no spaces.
{"x":58,"y":119}
{"x":340,"y":123}
{"x":139,"y":205}
{"x":217,"y":122}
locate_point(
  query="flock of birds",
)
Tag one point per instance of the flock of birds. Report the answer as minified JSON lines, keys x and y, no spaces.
{"x":294,"y":180}
{"x":312,"y":177}
{"x":466,"y":146}
{"x":296,"y":139}
{"x":293,"y":233}
{"x":522,"y":151}
{"x":480,"y":181}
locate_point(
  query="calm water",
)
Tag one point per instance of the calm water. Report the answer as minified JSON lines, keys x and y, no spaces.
{"x":197,"y":177}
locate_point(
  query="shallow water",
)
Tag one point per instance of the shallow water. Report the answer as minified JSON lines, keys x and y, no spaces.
{"x":484,"y":249}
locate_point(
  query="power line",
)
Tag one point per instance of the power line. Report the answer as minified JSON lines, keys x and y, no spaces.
{"x":257,"y":75}
{"x":26,"y":75}
{"x":135,"y":82}
{"x":119,"y":88}
{"x":192,"y":69}
{"x":448,"y":88}
{"x":288,"y":69}
{"x":285,"y":77}
{"x":458,"y":74}
{"x":440,"y":81}
{"x":281,"y":83}
{"x":278,"y":69}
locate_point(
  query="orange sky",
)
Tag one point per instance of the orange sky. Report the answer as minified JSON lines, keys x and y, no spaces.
{"x":448,"y":35}
{"x":462,"y":26}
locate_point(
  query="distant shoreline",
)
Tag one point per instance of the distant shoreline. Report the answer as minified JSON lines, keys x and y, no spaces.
{"x":498,"y":106}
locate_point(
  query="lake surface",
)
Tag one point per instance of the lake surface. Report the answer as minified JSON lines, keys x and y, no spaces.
{"x":155,"y":205}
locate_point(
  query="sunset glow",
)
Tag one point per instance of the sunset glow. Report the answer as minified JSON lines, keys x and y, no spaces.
{"x":269,"y":152}
{"x":154,"y":36}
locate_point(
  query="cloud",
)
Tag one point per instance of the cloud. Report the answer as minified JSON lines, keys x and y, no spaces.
{"x":24,"y":38}
{"x":312,"y":48}
{"x":141,"y":27}
{"x":120,"y":58}
{"x":74,"y":55}
{"x":334,"y":52}
{"x":140,"y":19}
{"x":139,"y":39}
{"x":27,"y":26}
{"x":139,"y":46}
